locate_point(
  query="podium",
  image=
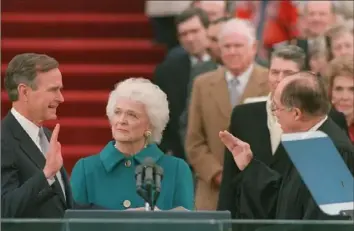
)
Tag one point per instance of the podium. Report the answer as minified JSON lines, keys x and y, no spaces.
{"x":172,"y":220}
{"x":117,"y":224}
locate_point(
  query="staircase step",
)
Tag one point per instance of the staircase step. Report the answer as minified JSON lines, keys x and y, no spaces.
{"x":105,"y":51}
{"x":114,"y":6}
{"x":98,"y":76}
{"x":75,"y":25}
{"x":72,"y":153}
{"x":81,"y":130}
{"x":77,"y":104}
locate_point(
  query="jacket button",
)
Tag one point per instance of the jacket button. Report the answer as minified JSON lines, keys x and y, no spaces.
{"x":126,"y":204}
{"x":128,"y":163}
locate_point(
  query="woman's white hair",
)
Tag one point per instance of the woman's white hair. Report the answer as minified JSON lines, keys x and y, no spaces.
{"x":153,"y":98}
{"x":240,"y":26}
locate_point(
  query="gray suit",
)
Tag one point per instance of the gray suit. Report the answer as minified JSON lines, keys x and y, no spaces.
{"x":196,"y":71}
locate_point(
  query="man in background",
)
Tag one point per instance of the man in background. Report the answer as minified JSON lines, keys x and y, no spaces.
{"x":173,"y":74}
{"x":214,"y":95}
{"x":203,"y":67}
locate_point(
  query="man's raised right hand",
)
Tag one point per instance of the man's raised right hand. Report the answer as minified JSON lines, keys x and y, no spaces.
{"x":54,"y":158}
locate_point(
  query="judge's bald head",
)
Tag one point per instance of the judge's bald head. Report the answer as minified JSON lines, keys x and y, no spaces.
{"x":304,"y":92}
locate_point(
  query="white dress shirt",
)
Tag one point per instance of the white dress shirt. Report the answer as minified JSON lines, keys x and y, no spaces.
{"x":194,"y":60}
{"x":274,"y":127}
{"x":33,"y":132}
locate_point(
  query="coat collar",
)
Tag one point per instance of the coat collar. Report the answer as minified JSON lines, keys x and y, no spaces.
{"x":256,"y":86}
{"x":111,"y":157}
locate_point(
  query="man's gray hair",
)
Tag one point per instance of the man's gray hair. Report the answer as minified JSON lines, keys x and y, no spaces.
{"x":23,"y":69}
{"x":307,"y":92}
{"x":241,"y":26}
{"x":334,"y":6}
{"x":292,"y":53}
{"x":153,"y":98}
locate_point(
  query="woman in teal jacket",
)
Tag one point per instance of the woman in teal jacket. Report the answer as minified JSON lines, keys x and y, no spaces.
{"x":138,"y":114}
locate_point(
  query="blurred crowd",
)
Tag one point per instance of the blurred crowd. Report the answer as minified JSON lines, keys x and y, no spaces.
{"x":222,"y":54}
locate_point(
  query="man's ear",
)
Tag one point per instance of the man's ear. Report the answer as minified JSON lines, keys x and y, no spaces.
{"x":22,"y":91}
{"x":298,"y":114}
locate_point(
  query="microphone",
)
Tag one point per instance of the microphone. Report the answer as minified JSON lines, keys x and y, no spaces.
{"x":158,"y":179}
{"x":149,"y":165}
{"x":139,"y":176}
{"x":148,"y":177}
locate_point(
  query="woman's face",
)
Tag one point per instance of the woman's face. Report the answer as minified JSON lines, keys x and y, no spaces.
{"x":130,"y":121}
{"x":343,"y":45}
{"x":343,"y":95}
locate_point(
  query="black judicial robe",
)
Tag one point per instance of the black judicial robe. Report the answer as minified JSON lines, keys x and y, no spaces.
{"x":249,"y":123}
{"x":279,"y":192}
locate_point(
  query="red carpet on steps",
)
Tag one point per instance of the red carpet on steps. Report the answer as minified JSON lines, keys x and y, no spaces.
{"x":98,"y":43}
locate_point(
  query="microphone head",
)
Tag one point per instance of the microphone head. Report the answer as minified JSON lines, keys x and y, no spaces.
{"x":159,"y":170}
{"x":148,"y":161}
{"x":139,"y":169}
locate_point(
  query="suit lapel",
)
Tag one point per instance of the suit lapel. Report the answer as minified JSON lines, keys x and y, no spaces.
{"x":219,"y":91}
{"x":256,"y":85}
{"x":26,"y":143}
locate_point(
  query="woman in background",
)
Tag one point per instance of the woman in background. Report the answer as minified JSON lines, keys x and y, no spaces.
{"x":138,"y":113}
{"x":341,"y":88}
{"x":340,"y":40}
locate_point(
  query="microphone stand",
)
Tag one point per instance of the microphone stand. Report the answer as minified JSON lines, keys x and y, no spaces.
{"x":148,"y":183}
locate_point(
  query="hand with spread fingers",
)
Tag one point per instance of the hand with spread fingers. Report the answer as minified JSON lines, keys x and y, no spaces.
{"x":241,"y":151}
{"x":54,"y":158}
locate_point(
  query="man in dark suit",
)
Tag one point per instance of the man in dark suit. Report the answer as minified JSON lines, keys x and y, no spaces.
{"x":203,"y":67}
{"x":173,"y":74}
{"x":274,"y":189}
{"x":34,"y":183}
{"x":248,"y":118}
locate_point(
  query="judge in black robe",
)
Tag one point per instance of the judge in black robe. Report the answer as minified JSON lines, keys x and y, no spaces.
{"x":278,"y":192}
{"x":249,"y":124}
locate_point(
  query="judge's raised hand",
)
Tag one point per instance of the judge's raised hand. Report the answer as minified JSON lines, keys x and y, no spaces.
{"x":240,"y":150}
{"x":54,"y":159}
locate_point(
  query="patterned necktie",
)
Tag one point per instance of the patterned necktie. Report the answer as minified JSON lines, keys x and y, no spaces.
{"x":43,"y":141}
{"x":234,"y":92}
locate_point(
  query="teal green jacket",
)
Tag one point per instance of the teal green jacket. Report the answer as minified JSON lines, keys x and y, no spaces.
{"x":108,"y":179}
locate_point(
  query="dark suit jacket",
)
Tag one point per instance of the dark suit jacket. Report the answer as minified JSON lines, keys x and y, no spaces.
{"x":249,"y":123}
{"x":25,"y":192}
{"x":172,"y":76}
{"x":197,"y":70}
